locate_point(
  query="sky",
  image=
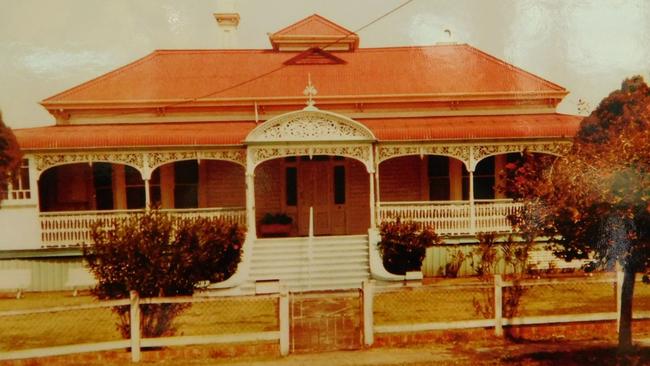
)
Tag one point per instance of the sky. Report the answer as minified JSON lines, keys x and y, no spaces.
{"x":587,"y":46}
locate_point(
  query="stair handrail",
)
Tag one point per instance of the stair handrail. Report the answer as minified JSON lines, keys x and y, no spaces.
{"x":310,"y":241}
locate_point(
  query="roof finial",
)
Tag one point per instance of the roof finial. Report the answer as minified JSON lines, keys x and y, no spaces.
{"x":310,"y":91}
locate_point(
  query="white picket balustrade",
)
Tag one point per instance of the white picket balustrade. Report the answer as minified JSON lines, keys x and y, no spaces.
{"x":452,"y":217}
{"x":492,"y":215}
{"x":61,"y":229}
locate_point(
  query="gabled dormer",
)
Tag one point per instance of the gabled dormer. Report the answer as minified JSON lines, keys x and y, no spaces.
{"x":314,"y":32}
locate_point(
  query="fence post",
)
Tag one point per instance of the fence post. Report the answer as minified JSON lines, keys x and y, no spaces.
{"x":498,"y":306}
{"x":619,"y":294}
{"x":284,"y":321}
{"x":134,"y":311}
{"x":367,"y":289}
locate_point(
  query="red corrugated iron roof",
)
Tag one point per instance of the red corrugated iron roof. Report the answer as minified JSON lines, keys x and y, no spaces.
{"x":133,"y":135}
{"x":474,"y":127}
{"x":183,"y":75}
{"x":233,"y":133}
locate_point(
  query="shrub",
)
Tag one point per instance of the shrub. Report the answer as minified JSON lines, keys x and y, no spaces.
{"x":403,"y":245}
{"x":157,"y":256}
{"x":515,"y":259}
{"x":455,"y":260}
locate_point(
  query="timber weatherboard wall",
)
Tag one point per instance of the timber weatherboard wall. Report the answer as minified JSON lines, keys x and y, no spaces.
{"x":48,"y":274}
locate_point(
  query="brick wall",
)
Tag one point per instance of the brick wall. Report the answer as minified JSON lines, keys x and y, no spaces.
{"x":602,"y":330}
{"x":357,"y":205}
{"x":400,"y":179}
{"x":268,"y":189}
{"x":152,"y":356}
{"x":225,"y":184}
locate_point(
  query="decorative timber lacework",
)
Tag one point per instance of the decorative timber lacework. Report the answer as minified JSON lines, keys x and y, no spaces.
{"x":361,"y":152}
{"x":143,"y":161}
{"x":310,"y":125}
{"x":158,"y":158}
{"x":470,"y":154}
{"x":460,"y":152}
{"x":46,"y":161}
{"x":480,"y":152}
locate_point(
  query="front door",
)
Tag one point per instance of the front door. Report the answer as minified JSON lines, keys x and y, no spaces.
{"x":336,"y":188}
{"x":314,"y":190}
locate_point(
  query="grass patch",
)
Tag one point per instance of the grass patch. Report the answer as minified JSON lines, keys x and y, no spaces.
{"x":424,"y":305}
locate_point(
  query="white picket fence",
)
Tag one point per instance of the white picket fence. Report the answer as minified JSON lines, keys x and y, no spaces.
{"x":136,"y":342}
{"x":370,"y":294}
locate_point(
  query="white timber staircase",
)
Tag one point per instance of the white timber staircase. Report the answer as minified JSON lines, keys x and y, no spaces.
{"x":310,"y":264}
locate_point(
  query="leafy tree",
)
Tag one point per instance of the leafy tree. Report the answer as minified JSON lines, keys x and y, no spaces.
{"x":9,"y":153}
{"x":158,"y":256}
{"x":596,"y":198}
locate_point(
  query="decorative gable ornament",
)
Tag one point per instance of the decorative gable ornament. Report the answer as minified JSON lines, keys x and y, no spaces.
{"x":315,"y":56}
{"x":311,"y":125}
{"x":310,"y":92}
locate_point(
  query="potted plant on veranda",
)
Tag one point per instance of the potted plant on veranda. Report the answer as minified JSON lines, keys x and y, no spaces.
{"x":275,"y":224}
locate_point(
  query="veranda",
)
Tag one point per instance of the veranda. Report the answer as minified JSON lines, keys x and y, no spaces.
{"x":352,"y":181}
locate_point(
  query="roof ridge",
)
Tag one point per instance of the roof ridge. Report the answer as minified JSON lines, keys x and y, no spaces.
{"x":398,"y":48}
{"x":270,"y":50}
{"x":103,"y":76}
{"x":497,"y":60}
{"x":212,"y":50}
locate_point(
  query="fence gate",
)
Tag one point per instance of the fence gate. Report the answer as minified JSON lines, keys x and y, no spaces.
{"x":326,"y":321}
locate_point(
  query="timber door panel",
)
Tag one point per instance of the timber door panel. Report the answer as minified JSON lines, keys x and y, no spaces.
{"x":326,"y":185}
{"x":314,"y":190}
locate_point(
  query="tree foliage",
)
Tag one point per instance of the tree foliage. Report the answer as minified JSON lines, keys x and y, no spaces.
{"x":9,"y":153}
{"x":157,"y":256}
{"x":596,"y":198}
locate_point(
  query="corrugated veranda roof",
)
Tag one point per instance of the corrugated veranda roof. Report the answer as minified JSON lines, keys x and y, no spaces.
{"x":233,"y":133}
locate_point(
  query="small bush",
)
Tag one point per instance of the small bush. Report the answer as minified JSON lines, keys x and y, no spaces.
{"x":454,"y":262}
{"x":158,"y":256}
{"x":515,"y":259}
{"x":403,"y":245}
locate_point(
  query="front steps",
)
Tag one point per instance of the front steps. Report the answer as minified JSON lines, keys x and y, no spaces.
{"x":330,"y":263}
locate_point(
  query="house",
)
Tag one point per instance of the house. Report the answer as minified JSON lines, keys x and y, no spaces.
{"x":338,"y":136}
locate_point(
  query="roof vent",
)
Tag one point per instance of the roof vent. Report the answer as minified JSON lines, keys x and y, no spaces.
{"x":315,"y":56}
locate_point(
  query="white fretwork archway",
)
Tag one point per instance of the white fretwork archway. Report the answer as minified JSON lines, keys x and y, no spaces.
{"x":310,"y":132}
{"x":307,"y":132}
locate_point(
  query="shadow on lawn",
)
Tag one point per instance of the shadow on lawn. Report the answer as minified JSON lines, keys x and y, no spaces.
{"x":586,"y":356}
